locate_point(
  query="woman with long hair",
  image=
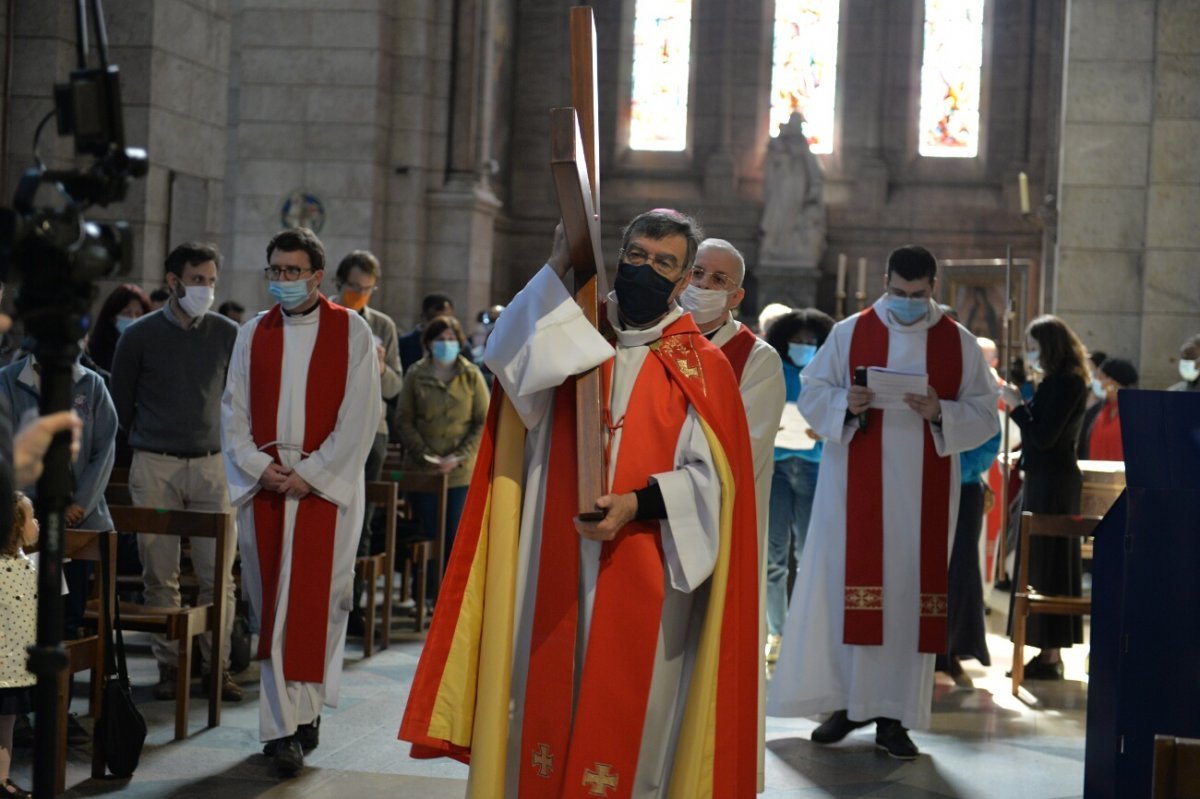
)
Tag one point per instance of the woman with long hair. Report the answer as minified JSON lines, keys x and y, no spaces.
{"x":126,"y":304}
{"x":1050,"y":428}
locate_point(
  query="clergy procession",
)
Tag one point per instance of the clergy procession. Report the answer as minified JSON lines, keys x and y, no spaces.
{"x":480,"y":399}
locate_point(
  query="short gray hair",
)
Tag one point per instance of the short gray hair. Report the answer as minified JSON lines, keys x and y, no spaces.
{"x":661,"y":223}
{"x":722,"y":244}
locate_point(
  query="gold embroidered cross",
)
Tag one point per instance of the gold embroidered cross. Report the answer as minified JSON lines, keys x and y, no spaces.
{"x":933,"y":604}
{"x":543,"y":761}
{"x":599,"y":782}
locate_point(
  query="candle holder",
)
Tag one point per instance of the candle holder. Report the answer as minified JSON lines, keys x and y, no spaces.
{"x":861,"y":298}
{"x":840,"y":306}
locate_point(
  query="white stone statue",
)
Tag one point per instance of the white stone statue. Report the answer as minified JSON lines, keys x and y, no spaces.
{"x":793,"y":221}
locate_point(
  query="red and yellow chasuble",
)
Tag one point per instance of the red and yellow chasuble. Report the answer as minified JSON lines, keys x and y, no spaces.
{"x":311,"y":565}
{"x":863,"y":613}
{"x":458,"y":704}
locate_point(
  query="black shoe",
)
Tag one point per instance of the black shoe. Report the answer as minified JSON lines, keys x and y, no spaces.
{"x":1038,"y":669}
{"x":355,"y":626}
{"x":9,"y":788}
{"x":77,"y":734}
{"x":309,"y":735}
{"x":22,"y":732}
{"x":891,"y":737}
{"x":286,"y":754}
{"x":835,"y":728}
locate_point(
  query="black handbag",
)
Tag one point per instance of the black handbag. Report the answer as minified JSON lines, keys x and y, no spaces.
{"x":120,"y":731}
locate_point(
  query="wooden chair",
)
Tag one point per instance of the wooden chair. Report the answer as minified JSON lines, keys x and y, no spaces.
{"x":183,"y":624}
{"x":1027,"y":600}
{"x":1176,"y":768}
{"x":86,"y":653}
{"x":422,"y":550}
{"x":371,"y":567}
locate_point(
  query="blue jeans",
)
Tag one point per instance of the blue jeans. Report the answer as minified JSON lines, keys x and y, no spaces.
{"x":425,"y":509}
{"x":792,"y":488}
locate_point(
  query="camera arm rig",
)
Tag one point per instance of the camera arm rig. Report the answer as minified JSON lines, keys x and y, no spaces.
{"x":59,"y":255}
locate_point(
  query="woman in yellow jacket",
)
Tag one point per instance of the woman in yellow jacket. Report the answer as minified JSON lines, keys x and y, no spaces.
{"x":443,"y":407}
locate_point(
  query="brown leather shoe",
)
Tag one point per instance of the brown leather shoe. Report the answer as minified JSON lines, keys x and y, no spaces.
{"x":165,"y":689}
{"x":230,"y":691}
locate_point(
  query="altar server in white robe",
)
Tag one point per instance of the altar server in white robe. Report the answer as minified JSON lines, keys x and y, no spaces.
{"x":605,"y":698}
{"x":715,"y":291}
{"x":868,"y":608}
{"x":299,"y":414}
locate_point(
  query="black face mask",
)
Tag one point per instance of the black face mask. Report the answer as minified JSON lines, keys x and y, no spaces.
{"x":643,"y":295}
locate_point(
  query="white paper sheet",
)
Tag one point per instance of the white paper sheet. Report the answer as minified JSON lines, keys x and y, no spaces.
{"x":793,"y":430}
{"x":890,"y":386}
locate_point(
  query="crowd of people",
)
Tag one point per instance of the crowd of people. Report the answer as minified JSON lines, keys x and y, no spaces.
{"x":163,"y":387}
{"x":844,"y":463}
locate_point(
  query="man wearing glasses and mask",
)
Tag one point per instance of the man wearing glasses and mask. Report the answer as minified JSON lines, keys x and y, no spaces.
{"x":609,"y":679}
{"x":868,"y":612}
{"x":715,"y":289}
{"x":168,"y":373}
{"x":358,"y":277}
{"x":298,"y":418}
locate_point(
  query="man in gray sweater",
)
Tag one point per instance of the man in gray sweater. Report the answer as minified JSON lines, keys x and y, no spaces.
{"x":168,"y":376}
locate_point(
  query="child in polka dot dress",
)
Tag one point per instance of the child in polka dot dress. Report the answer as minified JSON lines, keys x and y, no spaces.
{"x":18,"y":626}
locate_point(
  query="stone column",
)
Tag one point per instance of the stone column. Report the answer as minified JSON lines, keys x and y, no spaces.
{"x":1171,"y":295}
{"x":462,"y":212}
{"x":1107,"y":107}
{"x":1127,"y":276}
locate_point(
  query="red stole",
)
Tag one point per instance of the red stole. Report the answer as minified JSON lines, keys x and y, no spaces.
{"x":316,"y":517}
{"x":568,"y":755}
{"x":738,"y":350}
{"x":863,"y":613}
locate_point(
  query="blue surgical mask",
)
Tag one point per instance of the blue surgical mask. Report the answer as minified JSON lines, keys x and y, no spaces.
{"x":908,"y":310}
{"x":801,"y":354}
{"x":1098,"y":388}
{"x":123,"y":323}
{"x":290,"y":293}
{"x":1031,"y":360}
{"x":445,"y":351}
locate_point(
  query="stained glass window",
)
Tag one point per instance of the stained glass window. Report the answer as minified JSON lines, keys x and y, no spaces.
{"x":804,"y":75}
{"x":950,"y":78}
{"x":662,"y":37}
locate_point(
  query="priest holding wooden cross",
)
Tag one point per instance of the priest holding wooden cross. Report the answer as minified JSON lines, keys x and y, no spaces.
{"x":627,"y":642}
{"x":597,"y":629}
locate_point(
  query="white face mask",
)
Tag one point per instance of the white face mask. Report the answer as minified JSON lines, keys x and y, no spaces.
{"x":196,"y":300}
{"x":1188,"y":371}
{"x":705,"y":305}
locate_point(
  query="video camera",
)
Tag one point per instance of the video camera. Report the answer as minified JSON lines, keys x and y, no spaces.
{"x":59,"y":254}
{"x":56,"y":250}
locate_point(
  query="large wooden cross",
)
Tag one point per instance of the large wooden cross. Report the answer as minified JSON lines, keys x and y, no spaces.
{"x":574,"y":161}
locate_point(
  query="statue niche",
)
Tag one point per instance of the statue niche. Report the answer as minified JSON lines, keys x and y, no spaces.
{"x":793,"y":221}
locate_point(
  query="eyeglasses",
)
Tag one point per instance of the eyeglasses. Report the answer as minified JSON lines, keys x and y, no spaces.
{"x":665,"y":265}
{"x":360,"y":289}
{"x":719,"y":280}
{"x":287,"y":272}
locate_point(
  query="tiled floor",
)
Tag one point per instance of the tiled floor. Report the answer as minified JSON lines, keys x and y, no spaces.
{"x":985,"y":744}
